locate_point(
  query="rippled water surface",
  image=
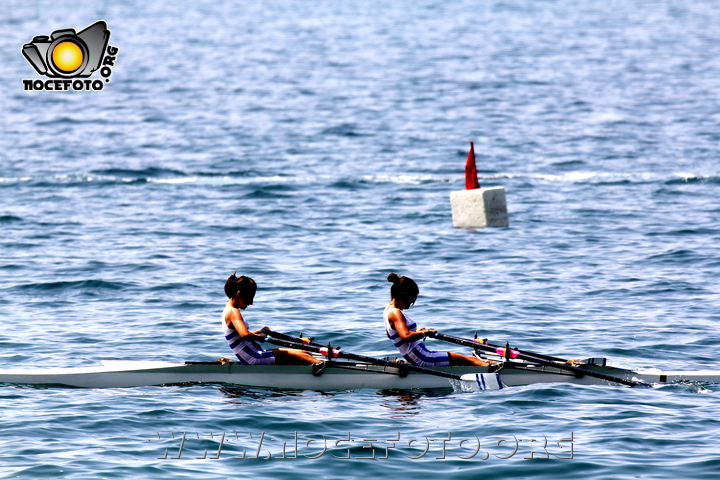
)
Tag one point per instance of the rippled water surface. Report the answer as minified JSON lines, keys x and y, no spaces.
{"x":313,"y":146}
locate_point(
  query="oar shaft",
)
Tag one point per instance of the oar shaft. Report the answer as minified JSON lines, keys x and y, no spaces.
{"x":537,"y":359}
{"x":335,"y":353}
{"x":283,"y":336}
{"x":549,"y":358}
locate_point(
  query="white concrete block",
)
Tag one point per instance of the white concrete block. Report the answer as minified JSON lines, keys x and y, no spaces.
{"x":479,"y":208}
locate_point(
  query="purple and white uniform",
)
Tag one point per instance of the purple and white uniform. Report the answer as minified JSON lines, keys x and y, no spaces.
{"x":414,"y":351}
{"x":248,"y":352}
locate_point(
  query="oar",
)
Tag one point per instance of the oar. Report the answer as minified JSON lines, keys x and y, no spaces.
{"x":290,"y":338}
{"x":534,"y":358}
{"x":481,"y":381}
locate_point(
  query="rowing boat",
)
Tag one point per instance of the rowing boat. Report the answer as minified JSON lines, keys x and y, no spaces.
{"x":334,"y":375}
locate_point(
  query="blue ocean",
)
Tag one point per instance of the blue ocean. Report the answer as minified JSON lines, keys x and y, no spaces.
{"x":313,"y":146}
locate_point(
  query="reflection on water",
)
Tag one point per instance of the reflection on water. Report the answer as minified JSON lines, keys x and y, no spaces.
{"x":405,"y":403}
{"x":253,"y":395}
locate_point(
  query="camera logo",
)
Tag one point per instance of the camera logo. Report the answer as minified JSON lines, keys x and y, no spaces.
{"x":69,"y":56}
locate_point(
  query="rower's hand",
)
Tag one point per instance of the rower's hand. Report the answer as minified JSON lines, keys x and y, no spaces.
{"x":429,"y":332}
{"x":575,"y":363}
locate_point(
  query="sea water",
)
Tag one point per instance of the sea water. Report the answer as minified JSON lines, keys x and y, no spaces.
{"x":313,"y":146}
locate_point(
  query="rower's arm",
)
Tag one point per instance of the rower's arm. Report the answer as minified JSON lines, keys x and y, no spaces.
{"x":397,"y":322}
{"x":242,"y":330}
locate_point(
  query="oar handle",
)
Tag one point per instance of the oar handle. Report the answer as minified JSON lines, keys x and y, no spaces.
{"x":538,"y":359}
{"x":337,"y":353}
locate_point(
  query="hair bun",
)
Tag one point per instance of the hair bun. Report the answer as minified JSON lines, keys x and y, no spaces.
{"x":393,"y":278}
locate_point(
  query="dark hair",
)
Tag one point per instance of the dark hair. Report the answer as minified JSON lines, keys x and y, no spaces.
{"x":245,"y":285}
{"x":404,"y":288}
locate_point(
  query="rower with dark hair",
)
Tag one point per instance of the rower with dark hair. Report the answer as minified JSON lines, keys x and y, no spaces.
{"x":243,"y":342}
{"x":403,"y":331}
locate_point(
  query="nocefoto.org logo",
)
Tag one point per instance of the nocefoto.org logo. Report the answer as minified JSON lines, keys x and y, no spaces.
{"x":70,"y":58}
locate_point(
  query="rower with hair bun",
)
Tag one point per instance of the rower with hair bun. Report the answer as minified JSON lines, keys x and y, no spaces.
{"x":243,"y":342}
{"x":408,"y":339}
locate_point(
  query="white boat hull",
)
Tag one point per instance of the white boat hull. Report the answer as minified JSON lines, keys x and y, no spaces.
{"x":123,"y":374}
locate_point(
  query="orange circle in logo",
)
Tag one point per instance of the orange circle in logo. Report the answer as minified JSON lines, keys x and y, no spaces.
{"x":67,"y":56}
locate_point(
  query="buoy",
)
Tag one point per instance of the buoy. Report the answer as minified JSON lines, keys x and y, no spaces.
{"x":478,"y":207}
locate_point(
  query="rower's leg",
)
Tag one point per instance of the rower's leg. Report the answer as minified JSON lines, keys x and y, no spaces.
{"x":291,"y":356}
{"x":457,"y":359}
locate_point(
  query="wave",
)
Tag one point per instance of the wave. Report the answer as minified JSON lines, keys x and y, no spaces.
{"x":172,"y":176}
{"x":691,"y":178}
{"x":78,"y":286}
{"x":146,"y":173}
{"x":685,"y":232}
{"x":343,"y":130}
{"x":680,"y":256}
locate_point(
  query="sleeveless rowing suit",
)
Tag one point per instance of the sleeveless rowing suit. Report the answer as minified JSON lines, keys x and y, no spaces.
{"x":415,"y":351}
{"x":248,"y":352}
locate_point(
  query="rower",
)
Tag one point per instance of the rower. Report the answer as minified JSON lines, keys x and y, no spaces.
{"x":243,"y":342}
{"x":408,"y":339}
